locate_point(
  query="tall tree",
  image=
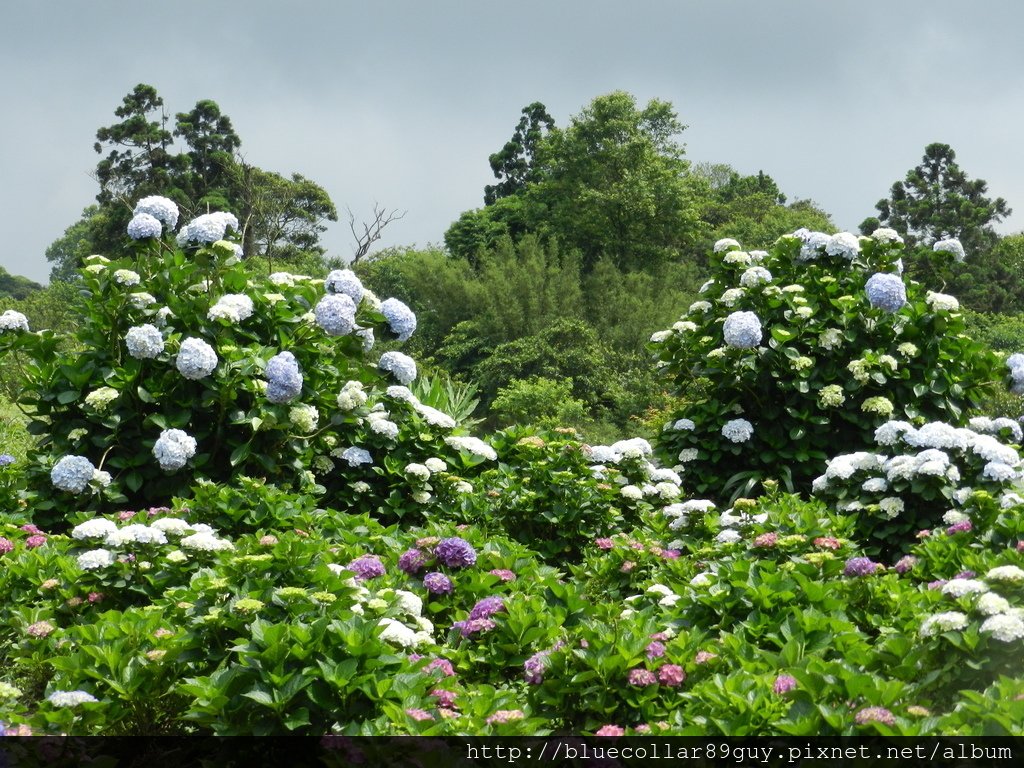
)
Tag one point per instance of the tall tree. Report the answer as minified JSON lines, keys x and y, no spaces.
{"x":615,"y":183}
{"x":937,"y":200}
{"x":513,"y":164}
{"x":212,"y":143}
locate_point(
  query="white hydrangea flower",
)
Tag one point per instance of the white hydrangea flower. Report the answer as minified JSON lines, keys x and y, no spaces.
{"x":890,"y":506}
{"x":206,"y":541}
{"x":1004,"y":627}
{"x":141,"y":299}
{"x":396,"y":633}
{"x":233,"y":307}
{"x":755,"y":276}
{"x":886,"y":235}
{"x":304,"y":417}
{"x":65,"y":699}
{"x":738,"y":430}
{"x":126,"y":277}
{"x":435,"y":464}
{"x":1008,"y":573}
{"x":416,"y":471}
{"x":631,"y":492}
{"x":950,"y":621}
{"x":12,"y":320}
{"x":961,"y":587}
{"x":727,"y":536}
{"x":408,"y":603}
{"x":951,"y":245}
{"x":352,"y":396}
{"x":97,"y":528}
{"x":731,"y":295}
{"x":699,"y":306}
{"x":473,"y":445}
{"x":633,"y":448}
{"x":659,"y":336}
{"x":174,"y":526}
{"x":990,"y":604}
{"x":433,"y":416}
{"x":142,"y":226}
{"x":135,"y":533}
{"x":355,"y":456}
{"x":384,"y":428}
{"x":725,"y":244}
{"x":95,"y":559}
{"x":208,"y":228}
{"x":843,"y":244}
{"x":737,"y":257}
{"x":100,"y":398}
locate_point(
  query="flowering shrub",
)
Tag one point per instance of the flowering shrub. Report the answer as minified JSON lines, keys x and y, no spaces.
{"x":192,"y":368}
{"x":810,"y":345}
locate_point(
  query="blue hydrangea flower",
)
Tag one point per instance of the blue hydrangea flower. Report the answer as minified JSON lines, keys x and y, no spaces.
{"x":400,"y":318}
{"x":159,"y":208}
{"x":196,"y":359}
{"x":144,"y":225}
{"x":208,"y":228}
{"x":6,"y":459}
{"x":886,"y":291}
{"x":742,"y":330}
{"x":144,"y":342}
{"x":173,"y":449}
{"x":72,"y":474}
{"x":356,"y":456}
{"x":402,"y":367}
{"x":336,"y":314}
{"x":284,"y":381}
{"x":345,"y":281}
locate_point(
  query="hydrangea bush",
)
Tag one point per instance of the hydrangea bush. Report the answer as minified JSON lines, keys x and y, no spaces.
{"x":193,"y":368}
{"x":811,"y":345}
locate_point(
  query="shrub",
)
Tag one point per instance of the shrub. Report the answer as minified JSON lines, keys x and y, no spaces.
{"x":809,"y":346}
{"x":189,"y":368}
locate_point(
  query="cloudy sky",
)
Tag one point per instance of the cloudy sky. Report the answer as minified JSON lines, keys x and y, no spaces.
{"x":401,"y":101}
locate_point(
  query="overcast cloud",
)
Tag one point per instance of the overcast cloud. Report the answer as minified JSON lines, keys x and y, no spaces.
{"x":402,"y":102}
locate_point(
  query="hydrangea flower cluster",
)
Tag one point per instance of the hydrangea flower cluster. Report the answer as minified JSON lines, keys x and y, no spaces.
{"x":160,"y":208}
{"x":738,"y":430}
{"x":284,"y":381}
{"x":233,"y":307}
{"x":144,"y":225}
{"x":886,"y":291}
{"x":72,"y":474}
{"x":400,"y":318}
{"x":399,"y":365}
{"x":742,"y":330}
{"x":345,"y":281}
{"x":144,"y":342}
{"x":336,"y":314}
{"x":196,"y":359}
{"x":208,"y":228}
{"x":173,"y":449}
{"x":952,"y":246}
{"x":12,"y":320}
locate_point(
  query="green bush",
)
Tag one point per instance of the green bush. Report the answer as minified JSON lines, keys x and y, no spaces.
{"x":799,"y":361}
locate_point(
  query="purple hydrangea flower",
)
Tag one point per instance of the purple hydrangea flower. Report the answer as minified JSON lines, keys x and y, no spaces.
{"x":961,"y":527}
{"x":412,"y":561}
{"x":5,"y":459}
{"x":472,"y":626}
{"x":455,"y":552}
{"x":438,"y":584}
{"x":642,"y":677}
{"x":874,"y":715}
{"x":366,"y":567}
{"x":487,"y":607}
{"x":655,"y":650}
{"x":905,"y":564}
{"x":860,"y":566}
{"x":284,"y":381}
{"x":784,"y":684}
{"x":886,"y":291}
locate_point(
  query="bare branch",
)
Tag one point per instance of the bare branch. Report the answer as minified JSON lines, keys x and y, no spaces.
{"x":372,"y":230}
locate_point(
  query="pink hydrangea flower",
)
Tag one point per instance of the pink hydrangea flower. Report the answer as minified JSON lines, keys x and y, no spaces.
{"x":671,"y":674}
{"x":610,"y":730}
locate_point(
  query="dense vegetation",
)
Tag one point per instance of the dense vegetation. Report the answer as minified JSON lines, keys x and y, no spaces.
{"x":241,"y":493}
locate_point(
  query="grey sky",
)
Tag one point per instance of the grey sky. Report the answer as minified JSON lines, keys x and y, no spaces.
{"x":402,"y":102}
